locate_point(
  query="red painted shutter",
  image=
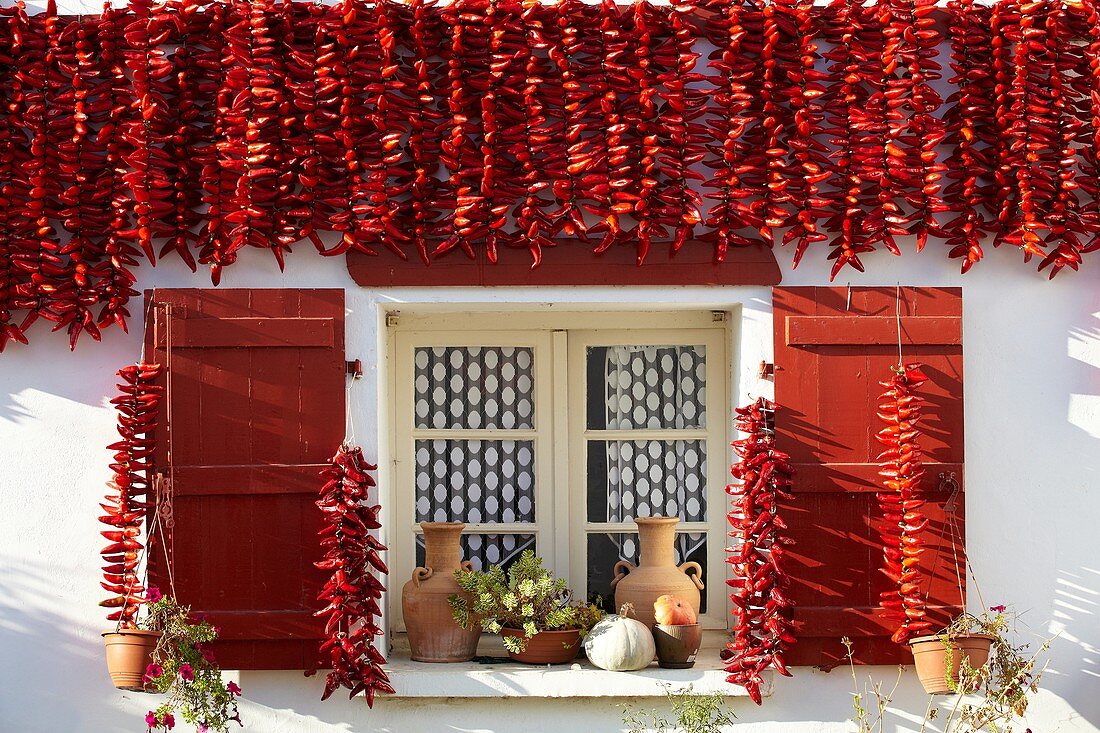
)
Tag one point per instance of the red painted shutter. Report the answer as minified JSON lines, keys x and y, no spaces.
{"x":255,"y":411}
{"x":832,"y":347}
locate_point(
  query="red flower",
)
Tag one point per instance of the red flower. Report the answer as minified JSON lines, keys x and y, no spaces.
{"x":153,"y":594}
{"x":169,"y":722}
{"x":233,"y":689}
{"x":998,"y":609}
{"x":153,"y":671}
{"x":150,"y":718}
{"x":186,"y":672}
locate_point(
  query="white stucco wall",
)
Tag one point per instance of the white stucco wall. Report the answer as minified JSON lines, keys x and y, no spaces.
{"x":1032,"y":352}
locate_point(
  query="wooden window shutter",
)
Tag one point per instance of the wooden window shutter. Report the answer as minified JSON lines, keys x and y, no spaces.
{"x":255,"y":411}
{"x":832,"y":348}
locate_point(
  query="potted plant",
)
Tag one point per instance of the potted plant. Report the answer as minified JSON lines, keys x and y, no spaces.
{"x":183,"y":667}
{"x":531,"y":610}
{"x":973,"y":656}
{"x":676,"y":632}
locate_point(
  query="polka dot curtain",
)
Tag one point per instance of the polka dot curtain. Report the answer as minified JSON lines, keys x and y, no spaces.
{"x":476,"y":481}
{"x":652,"y":388}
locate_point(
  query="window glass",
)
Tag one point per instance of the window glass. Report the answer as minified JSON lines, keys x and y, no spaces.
{"x":474,"y":387}
{"x":648,"y":387}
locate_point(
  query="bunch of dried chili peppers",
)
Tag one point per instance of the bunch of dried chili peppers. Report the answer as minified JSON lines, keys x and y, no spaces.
{"x":763,"y":629}
{"x":353,"y":590}
{"x":204,"y":129}
{"x":902,"y":521}
{"x":137,"y":405}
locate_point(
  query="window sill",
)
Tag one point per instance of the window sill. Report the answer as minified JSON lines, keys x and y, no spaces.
{"x":579,"y":679}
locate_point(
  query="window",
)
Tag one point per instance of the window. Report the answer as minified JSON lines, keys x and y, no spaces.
{"x":552,"y":433}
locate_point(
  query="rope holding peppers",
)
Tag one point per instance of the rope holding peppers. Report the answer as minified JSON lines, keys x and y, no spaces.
{"x":762,"y":609}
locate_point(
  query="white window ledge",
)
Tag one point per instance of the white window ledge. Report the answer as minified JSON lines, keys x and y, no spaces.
{"x":579,"y":679}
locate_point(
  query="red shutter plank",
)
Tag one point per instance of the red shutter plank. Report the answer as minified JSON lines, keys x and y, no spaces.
{"x":915,"y":330}
{"x":257,"y":408}
{"x":832,"y":347}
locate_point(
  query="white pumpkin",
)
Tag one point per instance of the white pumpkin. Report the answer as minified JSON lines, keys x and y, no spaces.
{"x":620,"y":644}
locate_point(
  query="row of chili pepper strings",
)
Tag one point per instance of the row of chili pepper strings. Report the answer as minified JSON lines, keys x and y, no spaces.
{"x":197,"y":130}
{"x":352,"y":556}
{"x":763,"y":630}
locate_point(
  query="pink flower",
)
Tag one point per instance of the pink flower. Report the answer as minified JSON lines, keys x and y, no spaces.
{"x":206,"y":653}
{"x":153,"y":671}
{"x":169,"y":722}
{"x":153,"y":594}
{"x":998,"y":609}
{"x":150,"y":718}
{"x":203,"y":728}
{"x":186,"y":672}
{"x":233,"y":689}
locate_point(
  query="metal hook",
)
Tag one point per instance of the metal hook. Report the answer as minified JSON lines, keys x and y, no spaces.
{"x":948,"y":482}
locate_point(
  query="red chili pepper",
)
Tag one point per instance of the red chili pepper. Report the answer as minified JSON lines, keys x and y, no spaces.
{"x":762,"y":632}
{"x":137,"y":407}
{"x":901,"y":474}
{"x":352,"y":593}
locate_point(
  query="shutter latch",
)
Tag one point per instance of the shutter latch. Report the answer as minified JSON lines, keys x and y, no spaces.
{"x":355,"y":368}
{"x":767,"y":370}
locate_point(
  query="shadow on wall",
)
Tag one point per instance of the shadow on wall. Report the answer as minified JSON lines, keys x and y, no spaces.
{"x":53,"y":674}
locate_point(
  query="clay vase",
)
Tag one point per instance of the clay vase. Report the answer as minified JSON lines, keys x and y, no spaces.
{"x":677,"y":644}
{"x":434,"y":635}
{"x":656,"y":573}
{"x":129,"y":652}
{"x":930,"y":659}
{"x":547,"y":647}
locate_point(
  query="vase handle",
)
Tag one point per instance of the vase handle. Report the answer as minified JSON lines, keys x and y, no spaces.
{"x":697,"y":578}
{"x":420,"y":575}
{"x":467,"y":566}
{"x":622,"y":569}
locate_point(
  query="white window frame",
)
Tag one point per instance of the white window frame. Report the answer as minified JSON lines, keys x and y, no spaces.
{"x":559,"y":431}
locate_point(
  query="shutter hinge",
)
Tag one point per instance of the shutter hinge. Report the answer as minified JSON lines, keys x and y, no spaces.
{"x":717,"y":316}
{"x":767,"y":370}
{"x":355,"y":368}
{"x":393,"y":319}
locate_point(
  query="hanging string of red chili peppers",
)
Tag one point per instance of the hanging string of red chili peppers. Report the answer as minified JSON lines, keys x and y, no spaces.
{"x":137,"y":405}
{"x":763,"y":629}
{"x":900,"y":502}
{"x":353,"y":590}
{"x":201,"y":128}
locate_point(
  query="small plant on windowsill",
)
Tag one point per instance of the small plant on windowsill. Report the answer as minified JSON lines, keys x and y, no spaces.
{"x":184,"y":668}
{"x":691,"y":714}
{"x":531,"y":609}
{"x":992,"y":685}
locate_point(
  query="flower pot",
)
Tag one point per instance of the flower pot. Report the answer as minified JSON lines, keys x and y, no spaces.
{"x":677,"y":644}
{"x":930,"y":658}
{"x":129,"y":653}
{"x":434,"y":635}
{"x":656,"y":574}
{"x":547,"y":647}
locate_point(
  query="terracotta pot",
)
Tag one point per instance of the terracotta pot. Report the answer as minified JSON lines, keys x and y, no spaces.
{"x":129,"y":652}
{"x":656,"y":573}
{"x":547,"y":647}
{"x":930,"y":659}
{"x":434,"y":636}
{"x":677,"y":644}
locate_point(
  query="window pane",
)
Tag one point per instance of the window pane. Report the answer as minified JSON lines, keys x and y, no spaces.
{"x":647,"y":387}
{"x":474,"y":387}
{"x":484,"y":550}
{"x":606,"y":549}
{"x":475,"y":481}
{"x":645,"y":478}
